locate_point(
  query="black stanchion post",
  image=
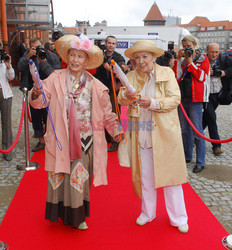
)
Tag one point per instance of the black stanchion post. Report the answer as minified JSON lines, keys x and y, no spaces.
{"x":29,"y":165}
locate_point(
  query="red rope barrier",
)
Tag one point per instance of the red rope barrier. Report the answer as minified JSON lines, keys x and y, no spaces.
{"x":198,"y":133}
{"x":18,"y":134}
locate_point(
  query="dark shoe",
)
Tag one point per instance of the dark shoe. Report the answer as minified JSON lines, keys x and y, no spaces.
{"x":113,"y":147}
{"x":217,"y":151}
{"x":198,"y":169}
{"x":8,"y":157}
{"x":188,"y":161}
{"x":39,"y":146}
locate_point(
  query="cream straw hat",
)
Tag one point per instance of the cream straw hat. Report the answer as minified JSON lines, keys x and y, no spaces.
{"x":144,"y":45}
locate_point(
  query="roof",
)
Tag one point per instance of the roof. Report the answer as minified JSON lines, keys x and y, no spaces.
{"x":205,"y":22}
{"x":154,"y":14}
{"x":71,"y":30}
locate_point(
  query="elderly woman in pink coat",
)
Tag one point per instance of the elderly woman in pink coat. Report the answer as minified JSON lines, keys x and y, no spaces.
{"x":81,"y":110}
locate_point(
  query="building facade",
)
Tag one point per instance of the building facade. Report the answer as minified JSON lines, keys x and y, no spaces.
{"x":172,"y":20}
{"x":207,"y":32}
{"x":24,"y":19}
{"x":154,"y":17}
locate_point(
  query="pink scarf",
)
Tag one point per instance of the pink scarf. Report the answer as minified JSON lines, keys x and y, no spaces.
{"x":74,"y":130}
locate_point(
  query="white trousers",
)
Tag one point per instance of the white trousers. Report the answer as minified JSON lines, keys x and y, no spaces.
{"x":173,"y":195}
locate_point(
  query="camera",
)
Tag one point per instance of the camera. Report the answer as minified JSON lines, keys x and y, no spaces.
{"x":170,"y":45}
{"x":168,"y":55}
{"x":4,"y":56}
{"x":188,"y":52}
{"x":41,"y":52}
{"x":216,"y":71}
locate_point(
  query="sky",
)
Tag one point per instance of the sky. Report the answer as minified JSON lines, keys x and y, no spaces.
{"x":132,"y":12}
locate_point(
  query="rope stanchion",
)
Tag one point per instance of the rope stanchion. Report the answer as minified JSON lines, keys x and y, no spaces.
{"x":198,"y":133}
{"x":18,"y":134}
{"x":29,"y":165}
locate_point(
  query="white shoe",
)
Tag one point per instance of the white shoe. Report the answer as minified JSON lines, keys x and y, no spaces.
{"x":140,"y":222}
{"x":184,"y":228}
{"x":83,"y":226}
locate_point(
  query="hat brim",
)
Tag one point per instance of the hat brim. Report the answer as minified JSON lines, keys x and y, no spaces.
{"x":131,"y":51}
{"x":95,"y":54}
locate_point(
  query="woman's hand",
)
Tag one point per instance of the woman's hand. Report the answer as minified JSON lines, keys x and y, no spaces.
{"x":130,"y":96}
{"x":106,"y":66}
{"x":145,"y":101}
{"x":180,"y":54}
{"x":8,"y":62}
{"x":36,"y":93}
{"x":119,"y":137}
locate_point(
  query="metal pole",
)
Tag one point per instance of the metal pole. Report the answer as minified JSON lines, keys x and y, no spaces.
{"x":4,"y":25}
{"x":3,"y":246}
{"x":29,"y":165}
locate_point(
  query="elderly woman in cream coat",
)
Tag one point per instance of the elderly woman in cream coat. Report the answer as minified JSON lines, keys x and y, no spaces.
{"x":157,"y":155}
{"x":81,"y":110}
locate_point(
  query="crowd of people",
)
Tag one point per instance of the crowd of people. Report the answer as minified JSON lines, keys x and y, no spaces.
{"x":77,"y":82}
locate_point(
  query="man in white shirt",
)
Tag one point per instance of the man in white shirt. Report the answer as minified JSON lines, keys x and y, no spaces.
{"x":6,"y":73}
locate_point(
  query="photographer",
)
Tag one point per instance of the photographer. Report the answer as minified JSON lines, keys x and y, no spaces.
{"x":192,"y":72}
{"x":167,"y":59}
{"x":6,"y":73}
{"x":103,"y":74}
{"x":46,"y":62}
{"x":220,"y":91}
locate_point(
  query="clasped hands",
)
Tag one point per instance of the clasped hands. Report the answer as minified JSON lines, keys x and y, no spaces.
{"x":119,"y":138}
{"x":143,"y":101}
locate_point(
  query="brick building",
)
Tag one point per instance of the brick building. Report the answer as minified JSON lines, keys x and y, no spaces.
{"x":154,"y":17}
{"x":23,"y":19}
{"x":208,"y":32}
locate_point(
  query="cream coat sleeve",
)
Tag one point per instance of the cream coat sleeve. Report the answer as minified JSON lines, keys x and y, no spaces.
{"x":168,"y":93}
{"x":122,"y":99}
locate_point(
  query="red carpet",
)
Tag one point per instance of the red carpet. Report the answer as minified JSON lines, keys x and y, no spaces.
{"x":114,"y":209}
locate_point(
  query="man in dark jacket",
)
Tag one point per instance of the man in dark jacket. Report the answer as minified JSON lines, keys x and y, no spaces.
{"x":46,"y":63}
{"x":220,"y":82}
{"x":103,"y":74}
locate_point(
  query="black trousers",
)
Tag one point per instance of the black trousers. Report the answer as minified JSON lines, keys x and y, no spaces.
{"x":5,"y":109}
{"x":39,"y":121}
{"x":210,"y":118}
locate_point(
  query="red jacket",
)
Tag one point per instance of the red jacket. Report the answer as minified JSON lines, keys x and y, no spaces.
{"x":200,"y":74}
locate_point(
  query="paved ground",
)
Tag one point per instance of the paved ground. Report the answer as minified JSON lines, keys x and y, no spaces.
{"x":213,"y":185}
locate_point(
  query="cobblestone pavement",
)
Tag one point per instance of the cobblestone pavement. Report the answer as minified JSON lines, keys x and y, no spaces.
{"x":213,"y":185}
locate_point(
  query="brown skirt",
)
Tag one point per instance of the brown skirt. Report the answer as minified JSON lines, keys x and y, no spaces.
{"x":68,"y":195}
